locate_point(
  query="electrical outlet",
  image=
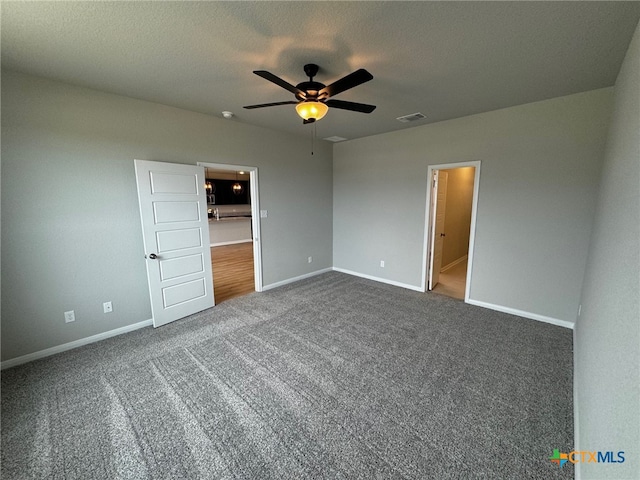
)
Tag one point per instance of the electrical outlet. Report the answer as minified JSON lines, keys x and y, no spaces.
{"x":382,"y":263}
{"x":310,"y":259}
{"x":264,"y":213}
{"x":107,"y":307}
{"x":69,"y":316}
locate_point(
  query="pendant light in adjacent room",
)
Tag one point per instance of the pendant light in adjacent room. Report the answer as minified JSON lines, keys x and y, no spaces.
{"x":237,"y":187}
{"x":207,"y":183}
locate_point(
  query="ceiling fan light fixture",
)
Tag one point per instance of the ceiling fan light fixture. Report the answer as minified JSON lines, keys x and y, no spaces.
{"x":315,"y":98}
{"x":311,"y":110}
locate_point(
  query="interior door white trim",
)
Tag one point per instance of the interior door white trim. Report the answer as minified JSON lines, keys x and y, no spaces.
{"x":427,"y":224}
{"x":255,"y":214}
{"x":436,"y":243}
{"x":431,"y":225}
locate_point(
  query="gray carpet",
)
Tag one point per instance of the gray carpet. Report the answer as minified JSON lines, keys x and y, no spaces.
{"x":331,"y":377}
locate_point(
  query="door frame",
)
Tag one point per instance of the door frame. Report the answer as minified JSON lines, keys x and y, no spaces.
{"x":436,"y":189}
{"x":428,"y":220}
{"x":255,"y":214}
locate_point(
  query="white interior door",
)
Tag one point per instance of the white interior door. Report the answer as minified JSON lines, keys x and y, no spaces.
{"x":175,"y":229}
{"x":437,"y":226}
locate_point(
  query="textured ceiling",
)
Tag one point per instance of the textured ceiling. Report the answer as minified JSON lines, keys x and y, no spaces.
{"x":444,"y":59}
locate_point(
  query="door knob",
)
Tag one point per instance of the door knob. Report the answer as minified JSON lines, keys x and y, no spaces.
{"x":152,"y":256}
{"x":442,"y":235}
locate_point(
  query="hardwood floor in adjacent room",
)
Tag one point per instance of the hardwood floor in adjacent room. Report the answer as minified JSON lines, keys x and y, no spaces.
{"x":232,"y":270}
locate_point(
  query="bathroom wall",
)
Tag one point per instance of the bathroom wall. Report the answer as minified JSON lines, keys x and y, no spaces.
{"x":457,"y":220}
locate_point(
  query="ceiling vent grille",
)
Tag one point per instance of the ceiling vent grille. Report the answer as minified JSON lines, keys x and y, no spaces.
{"x":335,"y":138}
{"x":411,"y":118}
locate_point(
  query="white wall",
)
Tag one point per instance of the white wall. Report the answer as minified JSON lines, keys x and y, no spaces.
{"x":71,"y":235}
{"x":607,"y":334}
{"x":539,"y":173}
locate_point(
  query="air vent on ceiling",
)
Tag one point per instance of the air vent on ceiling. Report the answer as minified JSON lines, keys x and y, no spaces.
{"x":410,"y":118}
{"x":335,"y":138}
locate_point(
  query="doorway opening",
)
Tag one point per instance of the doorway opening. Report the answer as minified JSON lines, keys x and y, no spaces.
{"x":234,"y":229}
{"x":450,"y":228}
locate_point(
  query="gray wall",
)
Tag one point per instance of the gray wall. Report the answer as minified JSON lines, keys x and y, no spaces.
{"x":540,"y":169}
{"x":71,"y":235}
{"x":607,"y":333}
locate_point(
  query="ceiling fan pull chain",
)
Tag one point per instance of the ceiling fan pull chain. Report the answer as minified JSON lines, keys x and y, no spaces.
{"x":313,"y":137}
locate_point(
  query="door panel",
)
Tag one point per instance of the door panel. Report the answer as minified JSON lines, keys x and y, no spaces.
{"x":162,"y":182}
{"x":184,"y":292}
{"x":175,"y":240}
{"x":175,"y":231}
{"x":170,"y":212}
{"x":179,"y":267}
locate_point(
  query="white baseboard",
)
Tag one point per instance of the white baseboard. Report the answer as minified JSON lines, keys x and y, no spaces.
{"x":75,"y":344}
{"x":234,"y":242}
{"x":146,"y":323}
{"x":521,"y":313}
{"x":378,"y":279}
{"x":454,"y":263}
{"x":295,"y":279}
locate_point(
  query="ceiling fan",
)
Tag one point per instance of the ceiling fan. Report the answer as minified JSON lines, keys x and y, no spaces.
{"x":314,"y":97}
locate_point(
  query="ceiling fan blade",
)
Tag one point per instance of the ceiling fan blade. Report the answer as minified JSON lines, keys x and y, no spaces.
{"x":280,"y":82}
{"x":345,"y":83}
{"x":356,"y":107}
{"x":262,"y":105}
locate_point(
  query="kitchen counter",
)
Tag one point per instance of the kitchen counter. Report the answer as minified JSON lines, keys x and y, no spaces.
{"x":229,"y":219}
{"x":228,"y":230}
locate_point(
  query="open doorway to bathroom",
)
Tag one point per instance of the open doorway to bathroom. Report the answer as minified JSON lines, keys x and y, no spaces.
{"x":451,"y":207}
{"x":232,"y":204}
